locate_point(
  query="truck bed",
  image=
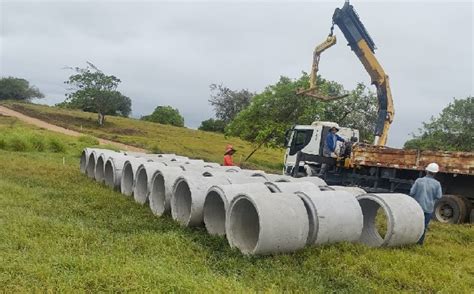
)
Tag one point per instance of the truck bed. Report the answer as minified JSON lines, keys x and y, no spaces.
{"x":378,"y":156}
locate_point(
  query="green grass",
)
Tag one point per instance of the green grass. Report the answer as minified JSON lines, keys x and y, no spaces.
{"x":62,"y":232}
{"x":155,"y":137}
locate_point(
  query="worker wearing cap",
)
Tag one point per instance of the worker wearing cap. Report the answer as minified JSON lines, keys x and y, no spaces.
{"x":426,"y":191}
{"x":329,"y":148}
{"x":229,"y":151}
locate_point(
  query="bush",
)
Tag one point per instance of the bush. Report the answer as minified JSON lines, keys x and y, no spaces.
{"x":3,"y":143}
{"x":89,"y":140}
{"x":37,"y":143}
{"x":156,"y":149}
{"x":166,"y":115}
{"x":212,"y":125}
{"x":18,"y":144}
{"x":56,"y":146}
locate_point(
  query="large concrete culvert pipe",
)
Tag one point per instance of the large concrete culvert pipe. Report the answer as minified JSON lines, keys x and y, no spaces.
{"x":262,"y":224}
{"x":405,"y":219}
{"x":90,"y":169}
{"x":113,"y":171}
{"x":291,"y":187}
{"x":127,"y":180}
{"x":217,"y":203}
{"x":143,"y":177}
{"x":189,"y":194}
{"x":334,"y":216}
{"x":161,"y":189}
{"x":315,"y":180}
{"x":355,"y":191}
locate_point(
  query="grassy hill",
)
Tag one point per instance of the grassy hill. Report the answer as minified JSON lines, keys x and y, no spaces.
{"x":62,"y":232}
{"x":154,"y":137}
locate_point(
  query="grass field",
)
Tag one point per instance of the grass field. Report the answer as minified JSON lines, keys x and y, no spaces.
{"x":62,"y":232}
{"x":155,"y":137}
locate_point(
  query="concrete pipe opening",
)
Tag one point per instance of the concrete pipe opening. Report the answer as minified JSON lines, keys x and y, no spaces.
{"x":99,"y":168}
{"x":83,"y":162}
{"x":390,"y":220}
{"x":214,"y":213}
{"x":244,"y":225}
{"x":109,"y":174}
{"x":181,"y":202}
{"x":126,"y":182}
{"x":90,"y":170}
{"x":292,"y":187}
{"x":140,"y":190}
{"x":157,"y":195}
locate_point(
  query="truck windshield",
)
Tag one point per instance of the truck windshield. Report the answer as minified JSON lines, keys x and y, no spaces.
{"x":300,"y":139}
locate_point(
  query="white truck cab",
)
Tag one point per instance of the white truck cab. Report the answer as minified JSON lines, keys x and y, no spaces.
{"x":310,"y":140}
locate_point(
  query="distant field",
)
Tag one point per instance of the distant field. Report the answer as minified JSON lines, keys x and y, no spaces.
{"x":155,"y":137}
{"x":62,"y":232}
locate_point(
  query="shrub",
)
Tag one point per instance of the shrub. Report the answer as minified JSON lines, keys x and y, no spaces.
{"x":18,"y":144}
{"x":56,"y":146}
{"x":3,"y":143}
{"x":89,"y":140}
{"x":37,"y":143}
{"x":156,"y":149}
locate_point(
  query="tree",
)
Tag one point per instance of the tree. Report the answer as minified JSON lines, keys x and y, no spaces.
{"x":278,"y":107}
{"x":228,"y":103}
{"x":452,"y":130}
{"x":94,"y":91}
{"x":18,"y":89}
{"x":212,"y":125}
{"x":166,"y":115}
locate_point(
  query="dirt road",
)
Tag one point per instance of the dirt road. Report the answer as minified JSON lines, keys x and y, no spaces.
{"x":39,"y":123}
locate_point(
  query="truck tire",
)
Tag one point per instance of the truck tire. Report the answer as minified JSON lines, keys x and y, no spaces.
{"x":468,"y":206}
{"x":450,"y":209}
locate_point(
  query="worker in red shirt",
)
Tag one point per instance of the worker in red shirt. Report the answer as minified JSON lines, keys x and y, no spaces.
{"x":229,"y":151}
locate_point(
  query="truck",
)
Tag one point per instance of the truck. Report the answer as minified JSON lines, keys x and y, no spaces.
{"x":380,"y":169}
{"x":375,"y":167}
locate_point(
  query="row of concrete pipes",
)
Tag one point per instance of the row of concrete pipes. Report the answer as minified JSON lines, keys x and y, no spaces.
{"x":259,"y":213}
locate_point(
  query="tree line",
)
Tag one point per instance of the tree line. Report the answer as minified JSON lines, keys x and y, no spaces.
{"x":261,"y":118}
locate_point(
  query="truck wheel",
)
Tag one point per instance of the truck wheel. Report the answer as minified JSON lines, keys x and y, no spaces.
{"x":450,"y":209}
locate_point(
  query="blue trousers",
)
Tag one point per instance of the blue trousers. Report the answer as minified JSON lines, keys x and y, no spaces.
{"x":427,"y":222}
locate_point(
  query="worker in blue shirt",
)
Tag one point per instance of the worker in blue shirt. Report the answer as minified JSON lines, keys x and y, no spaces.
{"x":329,"y":148}
{"x":426,"y":191}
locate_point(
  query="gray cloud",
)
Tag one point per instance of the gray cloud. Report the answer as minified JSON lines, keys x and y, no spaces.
{"x":169,"y":53}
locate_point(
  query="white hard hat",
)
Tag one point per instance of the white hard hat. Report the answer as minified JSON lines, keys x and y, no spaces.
{"x":432,"y":167}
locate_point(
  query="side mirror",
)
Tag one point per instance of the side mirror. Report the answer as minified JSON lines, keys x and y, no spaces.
{"x":287,"y":137}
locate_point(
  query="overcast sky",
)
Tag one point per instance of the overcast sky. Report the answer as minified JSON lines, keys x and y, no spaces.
{"x":169,"y":53}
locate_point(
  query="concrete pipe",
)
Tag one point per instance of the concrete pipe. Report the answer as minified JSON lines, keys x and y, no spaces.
{"x":234,"y":177}
{"x":234,"y":169}
{"x":100,"y":163}
{"x":143,"y":178}
{"x":292,"y":187}
{"x":356,"y":191}
{"x":405,"y":219}
{"x":113,"y":170}
{"x":127,"y":180}
{"x":161,"y":189}
{"x":315,"y":180}
{"x":217,"y":203}
{"x":334,"y":216}
{"x":258,"y":224}
{"x":189,"y":193}
{"x":90,"y":169}
{"x":278,"y":178}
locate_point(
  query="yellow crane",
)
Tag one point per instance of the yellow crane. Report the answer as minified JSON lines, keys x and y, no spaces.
{"x":364,"y":47}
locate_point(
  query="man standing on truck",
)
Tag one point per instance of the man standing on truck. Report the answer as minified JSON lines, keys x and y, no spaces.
{"x":426,"y":191}
{"x":329,"y":148}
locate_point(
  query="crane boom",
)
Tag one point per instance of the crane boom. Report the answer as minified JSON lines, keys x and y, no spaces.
{"x":364,"y":47}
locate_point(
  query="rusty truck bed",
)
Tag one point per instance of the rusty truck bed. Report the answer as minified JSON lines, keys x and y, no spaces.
{"x":449,"y":162}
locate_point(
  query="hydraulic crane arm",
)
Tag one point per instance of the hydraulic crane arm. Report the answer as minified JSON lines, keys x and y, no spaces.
{"x":363,"y":46}
{"x":313,"y":87}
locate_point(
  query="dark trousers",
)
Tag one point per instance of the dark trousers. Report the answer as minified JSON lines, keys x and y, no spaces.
{"x":427,"y":222}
